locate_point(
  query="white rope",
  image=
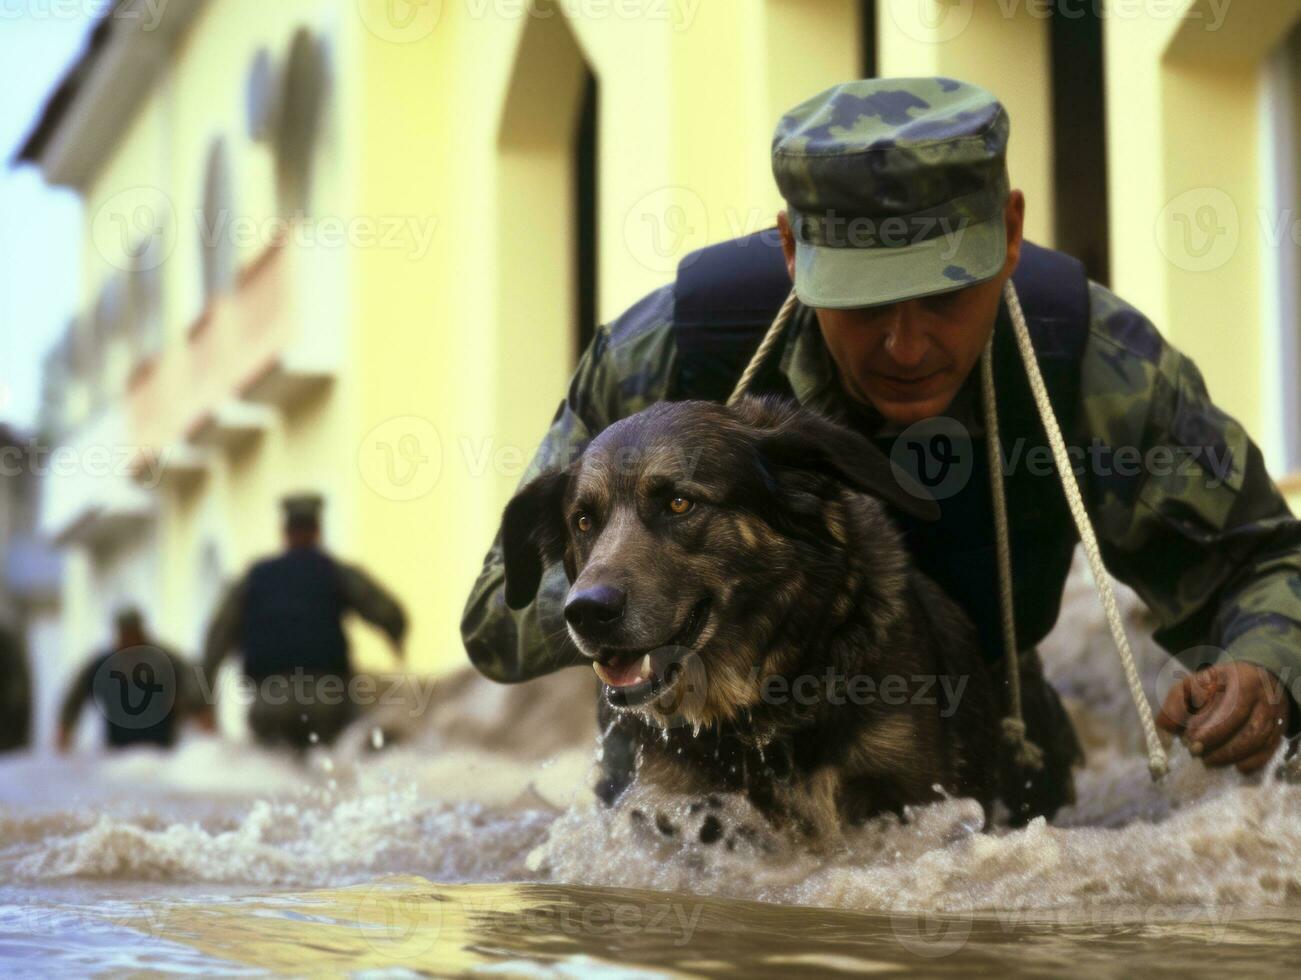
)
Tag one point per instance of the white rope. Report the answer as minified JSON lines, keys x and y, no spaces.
{"x":1157,"y":763}
{"x":765,"y":347}
{"x":1026,"y":754}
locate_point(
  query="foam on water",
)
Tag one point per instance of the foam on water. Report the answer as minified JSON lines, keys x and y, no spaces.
{"x":1217,"y":843}
{"x":338,"y":823}
{"x":220,"y":813}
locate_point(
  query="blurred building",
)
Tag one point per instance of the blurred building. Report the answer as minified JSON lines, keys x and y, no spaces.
{"x":29,"y":596}
{"x":356,"y":245}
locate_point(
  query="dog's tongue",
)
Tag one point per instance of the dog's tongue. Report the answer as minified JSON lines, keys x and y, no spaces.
{"x":624,"y":673}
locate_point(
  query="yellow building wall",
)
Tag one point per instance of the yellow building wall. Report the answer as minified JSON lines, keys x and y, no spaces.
{"x":688,"y":107}
{"x":455,"y":127}
{"x":1187,"y":198}
{"x":1001,"y":46}
{"x":160,"y":163}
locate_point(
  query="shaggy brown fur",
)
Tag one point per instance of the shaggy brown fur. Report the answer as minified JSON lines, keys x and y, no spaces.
{"x":735,"y":574}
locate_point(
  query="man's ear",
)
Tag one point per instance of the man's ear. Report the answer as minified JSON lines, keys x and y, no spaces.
{"x":533,"y":535}
{"x":788,"y":241}
{"x":812,"y":443}
{"x":1014,"y":222}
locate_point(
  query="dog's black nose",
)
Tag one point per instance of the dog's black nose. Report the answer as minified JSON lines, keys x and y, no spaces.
{"x":596,"y":609}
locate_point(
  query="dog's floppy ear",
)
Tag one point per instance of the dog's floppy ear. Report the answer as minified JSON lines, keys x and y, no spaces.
{"x":532,"y":535}
{"x":810,"y":442}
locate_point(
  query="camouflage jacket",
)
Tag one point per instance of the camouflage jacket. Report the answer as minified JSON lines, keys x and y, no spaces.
{"x":1197,"y":528}
{"x":182,"y":687}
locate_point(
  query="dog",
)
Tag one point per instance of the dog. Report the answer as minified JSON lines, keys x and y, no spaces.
{"x":754,"y":617}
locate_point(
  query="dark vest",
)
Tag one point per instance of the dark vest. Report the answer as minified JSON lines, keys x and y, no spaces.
{"x":292,"y":612}
{"x":727,"y":295}
{"x":136,"y":690}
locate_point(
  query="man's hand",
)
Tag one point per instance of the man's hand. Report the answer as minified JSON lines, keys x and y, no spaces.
{"x":1229,"y":714}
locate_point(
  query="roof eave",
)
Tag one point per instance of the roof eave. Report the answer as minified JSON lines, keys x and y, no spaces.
{"x":105,"y":90}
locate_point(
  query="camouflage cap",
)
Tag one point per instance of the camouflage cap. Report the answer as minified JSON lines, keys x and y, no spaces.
{"x":302,"y":508}
{"x":895,"y":189}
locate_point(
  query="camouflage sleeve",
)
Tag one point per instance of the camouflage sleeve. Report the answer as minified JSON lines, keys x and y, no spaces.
{"x":223,"y":635}
{"x":624,"y":369}
{"x":77,"y":694}
{"x":372,"y":602}
{"x":1184,"y":509}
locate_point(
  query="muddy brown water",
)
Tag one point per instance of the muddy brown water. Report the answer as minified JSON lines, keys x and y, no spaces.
{"x":475,"y":848}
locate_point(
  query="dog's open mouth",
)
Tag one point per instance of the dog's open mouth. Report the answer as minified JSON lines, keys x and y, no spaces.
{"x":635,"y":676}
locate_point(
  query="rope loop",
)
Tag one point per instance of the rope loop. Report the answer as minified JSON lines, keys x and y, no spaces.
{"x":1157,"y":763}
{"x":1025,"y":753}
{"x":765,"y":347}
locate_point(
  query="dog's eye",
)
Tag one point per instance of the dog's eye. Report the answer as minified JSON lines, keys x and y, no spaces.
{"x":583,"y":523}
{"x":680,"y":505}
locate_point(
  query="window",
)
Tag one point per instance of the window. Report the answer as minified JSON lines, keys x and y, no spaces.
{"x":216,"y":244}
{"x":585,"y":171}
{"x":299,"y":124}
{"x":867,"y":33}
{"x":144,"y":312}
{"x":106,"y":329}
{"x":1080,"y":139}
{"x":58,"y":370}
{"x":547,"y":301}
{"x":1282,"y":301}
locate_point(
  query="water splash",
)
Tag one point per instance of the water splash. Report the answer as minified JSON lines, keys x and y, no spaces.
{"x":455,"y":812}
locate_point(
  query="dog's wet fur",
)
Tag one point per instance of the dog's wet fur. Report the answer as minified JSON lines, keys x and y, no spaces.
{"x":743,"y":549}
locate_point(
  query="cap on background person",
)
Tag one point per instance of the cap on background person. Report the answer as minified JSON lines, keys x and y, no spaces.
{"x":895,"y":189}
{"x":129,"y":619}
{"x":302,"y":511}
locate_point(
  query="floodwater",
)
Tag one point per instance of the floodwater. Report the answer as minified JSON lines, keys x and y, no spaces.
{"x":473,"y":847}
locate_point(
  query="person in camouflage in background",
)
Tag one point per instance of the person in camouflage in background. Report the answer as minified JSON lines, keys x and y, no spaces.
{"x":900,"y":233}
{"x":285,"y":615}
{"x":143,"y":689}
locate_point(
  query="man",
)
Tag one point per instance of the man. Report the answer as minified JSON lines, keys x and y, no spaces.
{"x":142,"y":688}
{"x":900,"y":232}
{"x":286,"y":616}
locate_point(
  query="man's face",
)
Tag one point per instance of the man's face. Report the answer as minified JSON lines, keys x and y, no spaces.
{"x":130,"y":636}
{"x":908,"y":359}
{"x":302,"y":536}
